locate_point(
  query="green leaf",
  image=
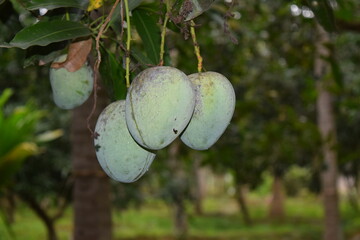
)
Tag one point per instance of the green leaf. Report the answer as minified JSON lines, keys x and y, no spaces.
{"x":5,"y":45}
{"x":52,"y":4}
{"x":5,"y":95}
{"x":44,"y":33}
{"x":190,"y":9}
{"x":140,"y":57}
{"x":149,"y":32}
{"x":113,"y":75}
{"x":43,"y":54}
{"x":324,"y":14}
{"x":115,"y":21}
{"x":133,"y":4}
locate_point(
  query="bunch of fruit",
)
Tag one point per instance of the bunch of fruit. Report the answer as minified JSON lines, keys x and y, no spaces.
{"x":162,"y":104}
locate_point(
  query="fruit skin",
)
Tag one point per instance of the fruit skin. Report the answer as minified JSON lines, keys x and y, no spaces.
{"x":214,"y":108}
{"x":159,"y":105}
{"x":71,"y":89}
{"x":118,"y":154}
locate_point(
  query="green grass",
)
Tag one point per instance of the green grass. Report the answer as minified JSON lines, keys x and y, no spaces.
{"x":221,"y":221}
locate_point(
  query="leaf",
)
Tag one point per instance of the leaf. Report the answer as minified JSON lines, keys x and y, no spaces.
{"x":323,"y":13}
{"x":115,"y":21}
{"x":76,"y":57}
{"x":140,"y":57}
{"x":113,"y":75}
{"x":44,"y":33}
{"x":41,"y":55}
{"x":52,"y":4}
{"x":11,"y":162}
{"x":4,"y":97}
{"x":190,"y":9}
{"x":149,"y":32}
{"x":50,"y":135}
{"x":5,"y":45}
{"x":133,"y":4}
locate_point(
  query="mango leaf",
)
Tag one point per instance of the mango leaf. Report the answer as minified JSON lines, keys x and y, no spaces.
{"x":324,"y":14}
{"x":140,"y":57}
{"x":147,"y":28}
{"x":76,"y":56}
{"x":5,"y":45}
{"x":44,"y":33}
{"x":41,"y":55}
{"x":112,"y":75}
{"x":190,"y":9}
{"x":115,"y":21}
{"x":133,"y":4}
{"x":52,"y":4}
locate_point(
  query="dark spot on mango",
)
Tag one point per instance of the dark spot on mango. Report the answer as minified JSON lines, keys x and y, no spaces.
{"x":97,"y":147}
{"x":175,"y":131}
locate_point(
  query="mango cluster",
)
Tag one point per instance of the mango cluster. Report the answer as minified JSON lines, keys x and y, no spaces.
{"x":162,"y":104}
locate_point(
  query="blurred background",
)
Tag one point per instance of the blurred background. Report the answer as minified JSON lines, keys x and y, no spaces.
{"x":287,"y":166}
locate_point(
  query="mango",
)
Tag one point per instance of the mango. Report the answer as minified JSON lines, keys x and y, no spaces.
{"x":118,"y":154}
{"x":159,"y":105}
{"x":71,"y":89}
{"x":214,"y":108}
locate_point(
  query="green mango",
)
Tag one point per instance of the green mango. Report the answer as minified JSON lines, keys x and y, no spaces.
{"x":71,"y":89}
{"x":118,"y":154}
{"x":159,"y":105}
{"x":214,"y":108}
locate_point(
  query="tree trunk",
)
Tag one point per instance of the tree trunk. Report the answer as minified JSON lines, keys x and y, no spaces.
{"x":327,"y":128}
{"x":9,"y":206}
{"x":240,"y":197}
{"x":198,"y":191}
{"x":42,"y":214}
{"x":277,"y":211}
{"x":92,"y":212}
{"x":178,"y":185}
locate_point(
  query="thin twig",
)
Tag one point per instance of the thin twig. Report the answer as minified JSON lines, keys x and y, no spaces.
{"x":196,"y":46}
{"x":128,"y":42}
{"x":98,"y":61}
{"x":162,"y":45}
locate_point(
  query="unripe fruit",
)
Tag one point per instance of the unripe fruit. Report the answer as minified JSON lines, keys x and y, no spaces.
{"x":71,"y":89}
{"x":118,"y":154}
{"x":214,"y":108}
{"x":159,"y":105}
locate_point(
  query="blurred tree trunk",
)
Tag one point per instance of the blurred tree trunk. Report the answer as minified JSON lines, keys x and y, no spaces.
{"x":277,"y":209}
{"x":178,"y":190}
{"x":327,"y":129}
{"x":9,"y":205}
{"x":241,"y":200}
{"x":91,"y":193}
{"x":48,"y":221}
{"x":198,"y":191}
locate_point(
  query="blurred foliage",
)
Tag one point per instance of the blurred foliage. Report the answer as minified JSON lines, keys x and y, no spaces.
{"x":17,"y":136}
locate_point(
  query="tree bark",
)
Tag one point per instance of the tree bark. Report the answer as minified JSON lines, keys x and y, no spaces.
{"x":42,"y":214}
{"x":178,"y":190}
{"x":277,"y":209}
{"x":198,"y":191}
{"x":91,"y":193}
{"x":327,"y":129}
{"x":240,"y":197}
